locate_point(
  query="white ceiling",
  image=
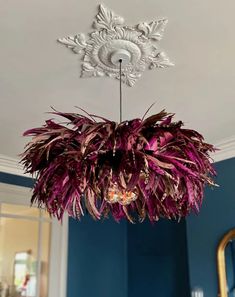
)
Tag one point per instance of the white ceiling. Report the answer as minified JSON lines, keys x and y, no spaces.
{"x":36,"y":72}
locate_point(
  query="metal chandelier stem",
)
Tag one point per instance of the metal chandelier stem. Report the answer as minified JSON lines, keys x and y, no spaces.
{"x":120,"y":89}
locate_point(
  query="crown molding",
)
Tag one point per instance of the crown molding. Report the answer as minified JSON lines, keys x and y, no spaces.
{"x":226,"y":151}
{"x":12,"y":166}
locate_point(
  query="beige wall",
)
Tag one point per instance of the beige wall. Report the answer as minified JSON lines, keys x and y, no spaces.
{"x":17,"y":235}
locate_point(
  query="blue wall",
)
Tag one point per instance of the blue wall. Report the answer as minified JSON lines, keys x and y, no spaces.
{"x":107,"y":259}
{"x":157,"y":260}
{"x":16,"y":180}
{"x":97,"y":259}
{"x":205,"y":230}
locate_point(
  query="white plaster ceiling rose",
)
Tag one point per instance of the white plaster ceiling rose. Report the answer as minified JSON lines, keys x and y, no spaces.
{"x":102,"y":49}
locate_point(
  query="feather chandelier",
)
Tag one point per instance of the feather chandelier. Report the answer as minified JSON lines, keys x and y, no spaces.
{"x":142,"y":168}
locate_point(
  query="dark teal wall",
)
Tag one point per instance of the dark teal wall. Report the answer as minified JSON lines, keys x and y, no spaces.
{"x":205,"y":230}
{"x":157,"y":260}
{"x":97,"y":263}
{"x":107,"y":259}
{"x":16,"y":180}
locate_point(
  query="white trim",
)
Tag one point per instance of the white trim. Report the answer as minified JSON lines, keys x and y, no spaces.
{"x":59,"y":239}
{"x":39,"y":259}
{"x":23,"y":194}
{"x":64,"y":255}
{"x":11,"y":165}
{"x":22,"y":217}
{"x":226,"y":149}
{"x":58,"y":255}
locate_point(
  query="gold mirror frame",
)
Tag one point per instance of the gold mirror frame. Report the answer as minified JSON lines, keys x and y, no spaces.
{"x":221,"y":265}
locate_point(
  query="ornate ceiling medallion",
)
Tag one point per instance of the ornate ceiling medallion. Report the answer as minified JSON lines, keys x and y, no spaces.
{"x":111,"y":41}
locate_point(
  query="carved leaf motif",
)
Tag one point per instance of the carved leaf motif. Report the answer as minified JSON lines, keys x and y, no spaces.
{"x":107,"y":19}
{"x":153,"y":30}
{"x":76,"y":43}
{"x":131,"y":78}
{"x":101,"y":36}
{"x":161,"y":60}
{"x":88,"y":70}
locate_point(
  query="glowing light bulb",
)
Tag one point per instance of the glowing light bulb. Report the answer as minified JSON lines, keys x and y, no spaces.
{"x":117,"y":195}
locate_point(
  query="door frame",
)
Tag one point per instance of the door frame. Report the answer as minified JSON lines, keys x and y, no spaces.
{"x":59,"y":239}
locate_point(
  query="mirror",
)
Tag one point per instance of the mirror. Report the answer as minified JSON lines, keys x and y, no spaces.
{"x":226,"y":265}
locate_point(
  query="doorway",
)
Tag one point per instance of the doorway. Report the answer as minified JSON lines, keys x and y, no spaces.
{"x":32,"y":248}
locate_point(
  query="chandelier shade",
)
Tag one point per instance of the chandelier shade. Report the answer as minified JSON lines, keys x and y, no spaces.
{"x":142,"y":168}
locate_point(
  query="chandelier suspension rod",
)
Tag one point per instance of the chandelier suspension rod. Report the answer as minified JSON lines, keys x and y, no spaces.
{"x":120,"y":88}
